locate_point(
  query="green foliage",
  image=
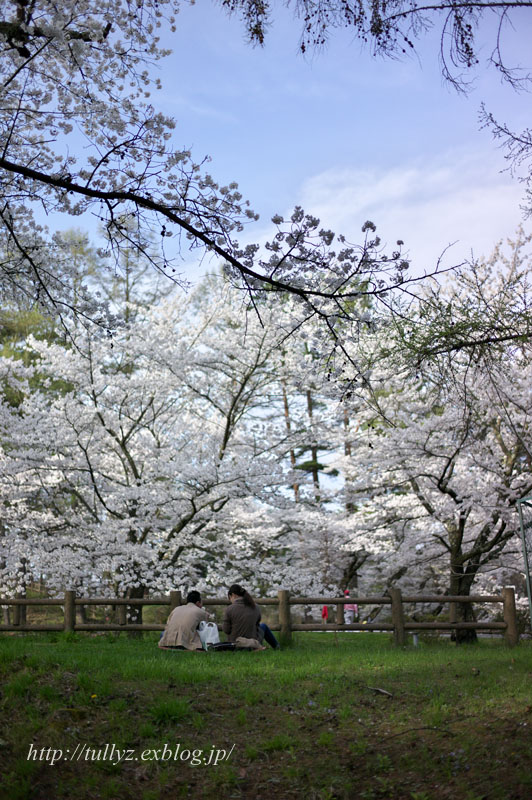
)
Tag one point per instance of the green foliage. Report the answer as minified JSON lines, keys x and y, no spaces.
{"x":484,"y":309}
{"x":312,"y":466}
{"x":16,"y":325}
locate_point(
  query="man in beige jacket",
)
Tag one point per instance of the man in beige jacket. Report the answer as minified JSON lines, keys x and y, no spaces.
{"x":181,"y":630}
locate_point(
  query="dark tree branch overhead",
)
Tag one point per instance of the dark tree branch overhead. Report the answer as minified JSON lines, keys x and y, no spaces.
{"x":146,"y":202}
{"x":70,"y":86}
{"x":392,"y":27}
{"x":78,"y":130}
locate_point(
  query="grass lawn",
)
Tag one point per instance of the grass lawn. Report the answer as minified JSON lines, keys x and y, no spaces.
{"x":345,"y":716}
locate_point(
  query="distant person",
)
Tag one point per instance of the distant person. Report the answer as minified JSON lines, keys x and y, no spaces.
{"x":242,"y":619}
{"x":350,"y":610}
{"x":181,"y":632}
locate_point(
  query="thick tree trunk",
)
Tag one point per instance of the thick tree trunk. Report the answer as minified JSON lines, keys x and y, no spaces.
{"x":461,"y":581}
{"x":350,"y":573}
{"x":465,"y":613}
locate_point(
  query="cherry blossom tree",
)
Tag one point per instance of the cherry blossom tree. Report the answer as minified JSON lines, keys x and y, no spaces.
{"x":116,"y":479}
{"x":161,"y":457}
{"x":444,"y":448}
{"x":168,"y":454}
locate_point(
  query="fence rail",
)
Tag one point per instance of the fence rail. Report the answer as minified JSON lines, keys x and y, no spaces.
{"x":398,"y":625}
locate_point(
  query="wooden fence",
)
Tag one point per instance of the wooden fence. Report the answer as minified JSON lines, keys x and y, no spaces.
{"x":398,"y":625}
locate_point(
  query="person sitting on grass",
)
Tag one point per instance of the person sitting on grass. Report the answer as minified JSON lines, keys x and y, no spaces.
{"x":242,"y":619}
{"x":181,"y":632}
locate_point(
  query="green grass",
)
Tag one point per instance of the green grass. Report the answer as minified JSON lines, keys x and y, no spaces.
{"x":329,"y":718}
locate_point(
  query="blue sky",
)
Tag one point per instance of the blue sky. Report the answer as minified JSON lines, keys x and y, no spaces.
{"x":348,"y":136}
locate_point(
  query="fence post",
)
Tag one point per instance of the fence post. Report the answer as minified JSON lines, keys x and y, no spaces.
{"x":453,"y":616}
{"x":452,"y":612}
{"x":175,"y":600}
{"x":340,"y":617}
{"x":511,"y":634}
{"x":22,"y":608}
{"x":398,"y":618}
{"x":16,"y":614}
{"x":121,"y":613}
{"x":285,"y":620}
{"x":70,"y":610}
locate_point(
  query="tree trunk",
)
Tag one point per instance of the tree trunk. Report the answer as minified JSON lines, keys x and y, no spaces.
{"x":350,"y":574}
{"x":288,"y":423}
{"x":21,"y":610}
{"x":465,"y":613}
{"x":314,"y":452}
{"x":134,"y":615}
{"x":350,"y":505}
{"x":461,"y":581}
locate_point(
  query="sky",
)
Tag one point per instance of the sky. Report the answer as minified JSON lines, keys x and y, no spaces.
{"x":348,"y":136}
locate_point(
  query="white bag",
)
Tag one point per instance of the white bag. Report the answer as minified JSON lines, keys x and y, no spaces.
{"x":208,"y":633}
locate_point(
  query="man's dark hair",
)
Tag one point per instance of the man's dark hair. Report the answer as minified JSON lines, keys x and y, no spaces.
{"x":193,"y":597}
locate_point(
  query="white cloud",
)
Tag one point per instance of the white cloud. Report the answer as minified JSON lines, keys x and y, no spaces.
{"x":460,"y":198}
{"x":457,"y":198}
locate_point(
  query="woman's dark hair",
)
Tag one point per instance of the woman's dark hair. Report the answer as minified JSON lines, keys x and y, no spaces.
{"x":240,"y":592}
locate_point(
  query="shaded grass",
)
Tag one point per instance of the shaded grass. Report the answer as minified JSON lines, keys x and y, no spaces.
{"x":332,"y":717}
